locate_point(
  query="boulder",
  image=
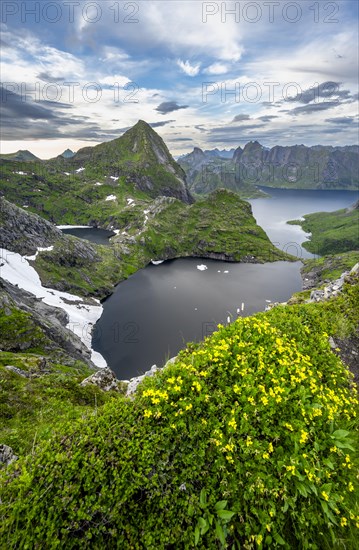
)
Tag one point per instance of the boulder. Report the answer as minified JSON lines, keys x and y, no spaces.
{"x":18,"y":371}
{"x":7,"y":455}
{"x":105,"y":379}
{"x":134,"y":382}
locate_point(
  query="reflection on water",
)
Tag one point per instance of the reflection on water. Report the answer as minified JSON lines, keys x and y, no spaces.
{"x":291,"y":204}
{"x":159,"y":309}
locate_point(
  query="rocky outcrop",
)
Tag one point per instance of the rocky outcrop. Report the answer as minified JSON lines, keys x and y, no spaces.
{"x":7,"y":455}
{"x":105,"y":379}
{"x":51,"y":320}
{"x":298,"y":166}
{"x":335,"y":287}
{"x":17,"y":371}
{"x":23,"y":232}
{"x":134,"y":382}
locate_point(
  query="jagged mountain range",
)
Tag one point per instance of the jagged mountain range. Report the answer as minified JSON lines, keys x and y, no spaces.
{"x":296,"y":167}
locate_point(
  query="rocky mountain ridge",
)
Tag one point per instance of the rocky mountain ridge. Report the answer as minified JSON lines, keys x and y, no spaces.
{"x":296,"y":167}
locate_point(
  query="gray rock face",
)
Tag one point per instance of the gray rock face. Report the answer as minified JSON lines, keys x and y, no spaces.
{"x":134,"y":382}
{"x":299,"y":166}
{"x":332,"y":289}
{"x":18,"y":371}
{"x":23,"y":232}
{"x":50,"y":319}
{"x":7,"y":455}
{"x":104,"y":379}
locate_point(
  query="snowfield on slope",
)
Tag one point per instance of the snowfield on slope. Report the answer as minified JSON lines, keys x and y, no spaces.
{"x":15,"y":269}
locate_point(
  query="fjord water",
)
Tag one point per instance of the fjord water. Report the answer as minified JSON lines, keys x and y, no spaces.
{"x":153,"y":314}
{"x":283,"y":205}
{"x":98,"y":236}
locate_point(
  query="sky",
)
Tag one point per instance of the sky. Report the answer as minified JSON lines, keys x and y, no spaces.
{"x":203,"y":74}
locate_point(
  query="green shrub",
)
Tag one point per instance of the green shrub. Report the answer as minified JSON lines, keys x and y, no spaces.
{"x":244,"y":442}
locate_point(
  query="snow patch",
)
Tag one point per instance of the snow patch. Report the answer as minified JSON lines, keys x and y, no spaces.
{"x":67,"y":173}
{"x":21,"y":173}
{"x":49,"y":249}
{"x":157,"y":262}
{"x":114,"y":178}
{"x":25,"y":206}
{"x":97,"y":184}
{"x":80,"y":170}
{"x":82,"y":317}
{"x":202,"y":267}
{"x":74,"y":227}
{"x":130,"y":201}
{"x":111,"y":198}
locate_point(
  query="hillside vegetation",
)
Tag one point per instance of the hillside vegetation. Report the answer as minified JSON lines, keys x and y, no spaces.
{"x":249,"y":440}
{"x":332,"y":232}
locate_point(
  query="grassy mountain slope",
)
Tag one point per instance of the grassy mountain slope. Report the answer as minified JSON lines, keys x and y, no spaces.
{"x":19,"y":156}
{"x":74,"y":190}
{"x":328,"y":268}
{"x":332,"y":232}
{"x":219,"y":226}
{"x":247,"y":440}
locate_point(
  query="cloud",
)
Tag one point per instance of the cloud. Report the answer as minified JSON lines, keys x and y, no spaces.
{"x":314,"y":107}
{"x":175,"y":27}
{"x":217,"y":68}
{"x":241,"y":117}
{"x":187,"y":68}
{"x":158,"y":124}
{"x":325,"y":89}
{"x":28,"y":120}
{"x":267,"y":118}
{"x":340,"y":120}
{"x":47,"y":77}
{"x":15,"y":106}
{"x":169,"y":106}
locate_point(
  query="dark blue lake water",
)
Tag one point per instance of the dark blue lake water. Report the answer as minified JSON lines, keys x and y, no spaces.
{"x":152,"y":315}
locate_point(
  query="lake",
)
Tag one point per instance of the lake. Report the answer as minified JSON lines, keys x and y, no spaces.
{"x":98,"y":236}
{"x":152,"y":315}
{"x":291,"y":204}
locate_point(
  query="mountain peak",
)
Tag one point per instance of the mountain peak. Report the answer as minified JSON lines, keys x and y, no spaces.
{"x":23,"y":155}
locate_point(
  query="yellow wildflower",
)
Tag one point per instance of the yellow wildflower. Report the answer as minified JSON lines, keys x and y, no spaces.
{"x":303,"y":436}
{"x":232,"y":423}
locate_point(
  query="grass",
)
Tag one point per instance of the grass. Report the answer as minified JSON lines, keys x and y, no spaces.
{"x":249,"y":440}
{"x":32,"y":408}
{"x":332,"y":232}
{"x":331,"y":267}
